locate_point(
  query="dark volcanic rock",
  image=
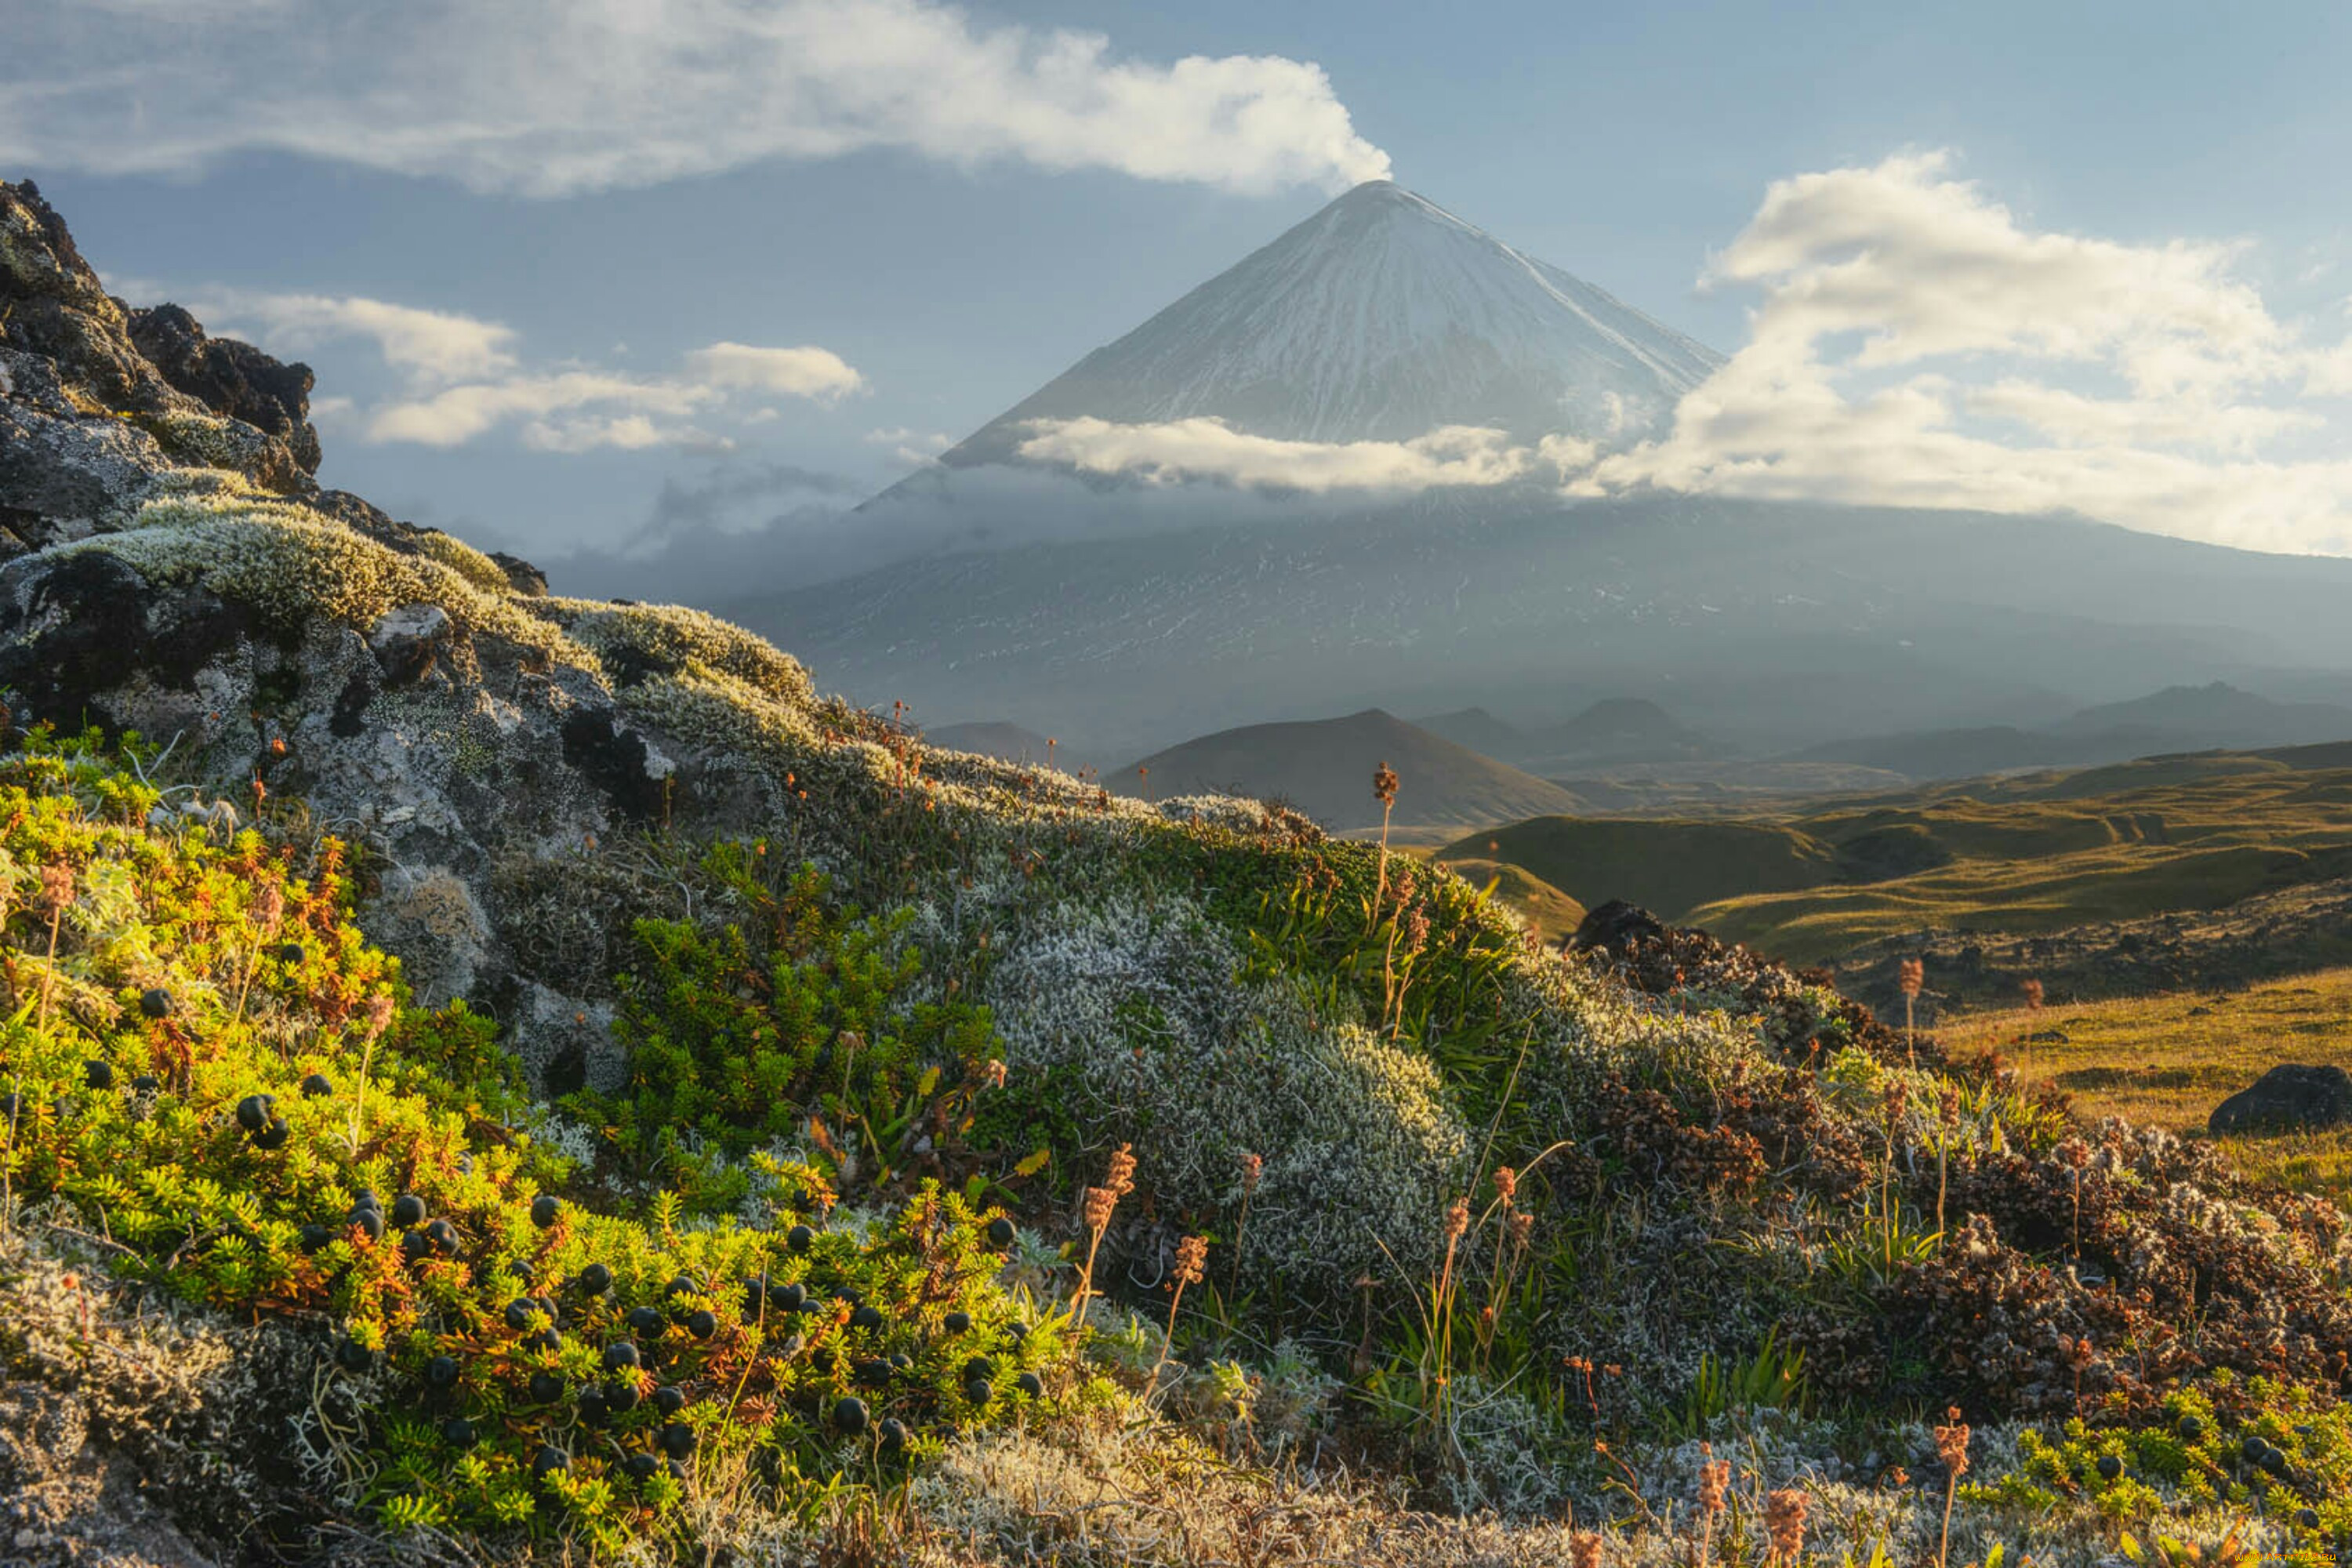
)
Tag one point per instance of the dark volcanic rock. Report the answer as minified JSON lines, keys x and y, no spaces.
{"x":525,"y":578}
{"x":1617,"y":926}
{"x":233,"y":379}
{"x":2286,"y":1097}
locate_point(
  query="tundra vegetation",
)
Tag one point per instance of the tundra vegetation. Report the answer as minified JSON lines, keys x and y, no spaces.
{"x":491,"y":1078}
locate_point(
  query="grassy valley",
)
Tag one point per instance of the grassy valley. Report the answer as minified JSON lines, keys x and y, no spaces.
{"x":2017,"y":857}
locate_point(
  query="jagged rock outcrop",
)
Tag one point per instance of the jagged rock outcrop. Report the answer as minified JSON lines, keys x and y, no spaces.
{"x":235,"y":380}
{"x":97,"y":399}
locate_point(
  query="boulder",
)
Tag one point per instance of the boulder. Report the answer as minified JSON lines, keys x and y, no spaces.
{"x":2288,"y":1096}
{"x":1617,"y":926}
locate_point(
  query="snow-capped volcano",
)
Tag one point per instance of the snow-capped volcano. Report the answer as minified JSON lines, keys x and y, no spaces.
{"x":1382,"y":318}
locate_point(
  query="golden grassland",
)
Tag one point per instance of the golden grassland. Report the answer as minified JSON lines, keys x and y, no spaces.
{"x":2027,"y":856}
{"x":2169,"y":1060}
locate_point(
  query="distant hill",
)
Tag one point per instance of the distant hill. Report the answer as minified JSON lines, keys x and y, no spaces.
{"x":1324,"y":768}
{"x":1619,"y":730}
{"x":2178,"y":718}
{"x":1549,"y":913}
{"x":2216,"y":715}
{"x":1480,"y":730}
{"x":1948,"y":753}
{"x":1666,"y":865}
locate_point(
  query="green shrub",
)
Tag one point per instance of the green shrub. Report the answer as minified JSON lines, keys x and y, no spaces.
{"x":791,"y":1020}
{"x":206,"y":1062}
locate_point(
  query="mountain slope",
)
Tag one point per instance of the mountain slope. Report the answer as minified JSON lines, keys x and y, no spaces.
{"x":1382,"y":317}
{"x":1773,"y":624}
{"x":1323,"y":767}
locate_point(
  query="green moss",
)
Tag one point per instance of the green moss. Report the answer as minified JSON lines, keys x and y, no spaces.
{"x":638,"y":640}
{"x":294,"y":566}
{"x":463,"y":559}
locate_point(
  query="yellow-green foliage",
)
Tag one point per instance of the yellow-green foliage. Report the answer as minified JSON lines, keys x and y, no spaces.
{"x":201,"y":438}
{"x":205,"y":1060}
{"x":463,"y":559}
{"x":2186,"y":1457}
{"x":674,"y":637}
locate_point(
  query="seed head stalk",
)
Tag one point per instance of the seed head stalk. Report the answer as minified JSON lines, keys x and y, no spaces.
{"x":1441,"y":1305}
{"x":57,"y":892}
{"x":1191,"y":1258}
{"x":1952,"y":1447}
{"x":1100,"y":1203}
{"x":1252,"y":1168}
{"x":1384,"y":790}
{"x":1913,"y":979}
{"x":1713,"y":1482}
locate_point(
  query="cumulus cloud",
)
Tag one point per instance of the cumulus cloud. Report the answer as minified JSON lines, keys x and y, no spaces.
{"x":1916,"y":344}
{"x":549,"y":97}
{"x":462,"y":378}
{"x":433,"y":345}
{"x":802,"y":371}
{"x":1207,"y":449}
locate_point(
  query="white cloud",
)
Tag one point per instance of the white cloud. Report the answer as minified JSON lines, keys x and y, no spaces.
{"x":796,"y":373}
{"x":554,"y":97}
{"x":916,"y":448}
{"x":457,"y":415}
{"x":1917,"y":345}
{"x":1457,"y":455}
{"x":437,"y":345}
{"x":462,"y":377}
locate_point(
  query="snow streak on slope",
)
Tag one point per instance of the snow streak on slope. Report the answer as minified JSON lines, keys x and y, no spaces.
{"x":1382,"y":318}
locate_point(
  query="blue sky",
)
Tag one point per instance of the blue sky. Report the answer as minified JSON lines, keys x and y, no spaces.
{"x":614,"y":224}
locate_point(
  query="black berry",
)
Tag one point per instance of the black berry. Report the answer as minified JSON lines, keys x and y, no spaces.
{"x":850,"y":1413}
{"x":544,"y":1209}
